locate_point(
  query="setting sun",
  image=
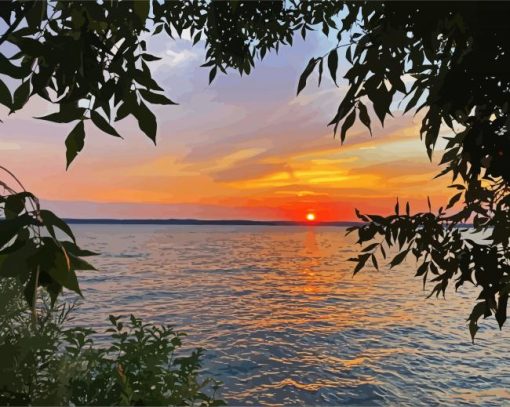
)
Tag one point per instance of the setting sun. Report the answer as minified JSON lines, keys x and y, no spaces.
{"x":310,"y":217}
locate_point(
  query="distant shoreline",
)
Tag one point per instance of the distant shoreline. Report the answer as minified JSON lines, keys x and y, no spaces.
{"x":212,"y":222}
{"x":226,"y":222}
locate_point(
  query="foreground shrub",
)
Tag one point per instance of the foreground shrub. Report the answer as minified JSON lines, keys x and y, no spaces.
{"x":56,"y":365}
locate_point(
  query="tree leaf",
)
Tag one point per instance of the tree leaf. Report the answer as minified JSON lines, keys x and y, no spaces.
{"x":14,"y":205}
{"x":501,"y":310}
{"x":80,"y":264}
{"x":399,"y":258}
{"x":212,"y":74}
{"x":144,"y":78}
{"x":150,"y":57}
{"x":158,"y":29}
{"x":364,"y":117}
{"x":21,"y":96}
{"x":65,"y":116}
{"x":306,"y":73}
{"x":478,"y":310}
{"x":362,"y":259}
{"x":473,"y":329}
{"x":370,"y":247}
{"x":320,"y":71}
{"x":146,"y":121}
{"x":73,"y":249}
{"x":383,"y":252}
{"x":197,"y":37}
{"x":156,"y":98}
{"x":348,"y":54}
{"x":5,"y":95}
{"x":51,"y":220}
{"x":454,"y":200}
{"x":11,"y":227}
{"x":54,"y":261}
{"x":374,"y":262}
{"x":75,"y":142}
{"x":412,"y":102}
{"x":128,"y":106}
{"x":333,"y":64}
{"x":102,"y":124}
{"x":422,"y":269}
{"x":349,"y":121}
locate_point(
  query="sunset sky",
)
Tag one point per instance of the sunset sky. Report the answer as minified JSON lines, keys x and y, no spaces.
{"x":242,"y":148}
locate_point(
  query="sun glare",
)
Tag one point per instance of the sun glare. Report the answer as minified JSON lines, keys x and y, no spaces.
{"x":310,"y":217}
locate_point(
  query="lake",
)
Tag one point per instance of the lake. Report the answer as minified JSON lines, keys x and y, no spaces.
{"x":284,"y":321}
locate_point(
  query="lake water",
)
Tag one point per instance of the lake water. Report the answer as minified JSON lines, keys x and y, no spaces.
{"x":284,"y":322}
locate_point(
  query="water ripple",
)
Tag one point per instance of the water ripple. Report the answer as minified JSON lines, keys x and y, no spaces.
{"x":284,"y":322}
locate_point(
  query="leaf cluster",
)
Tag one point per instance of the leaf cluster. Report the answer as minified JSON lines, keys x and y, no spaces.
{"x":140,"y":367}
{"x":32,"y":251}
{"x":89,"y":59}
{"x":432,"y":57}
{"x":30,"y":359}
{"x":445,"y":252}
{"x":60,"y":365}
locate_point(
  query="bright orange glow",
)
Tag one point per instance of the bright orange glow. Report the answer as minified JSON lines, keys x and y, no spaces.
{"x":224,"y":172}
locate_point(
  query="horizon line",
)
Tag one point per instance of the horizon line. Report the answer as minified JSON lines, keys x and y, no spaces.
{"x":192,"y":221}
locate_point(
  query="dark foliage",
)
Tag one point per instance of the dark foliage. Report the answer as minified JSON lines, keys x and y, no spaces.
{"x":140,"y":364}
{"x":447,"y":60}
{"x":443,"y":49}
{"x":37,"y":248}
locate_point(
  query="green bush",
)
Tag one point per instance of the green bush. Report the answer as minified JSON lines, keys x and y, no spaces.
{"x":59,"y":365}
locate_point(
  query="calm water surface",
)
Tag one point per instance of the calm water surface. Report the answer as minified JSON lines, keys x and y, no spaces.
{"x":284,"y":322}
